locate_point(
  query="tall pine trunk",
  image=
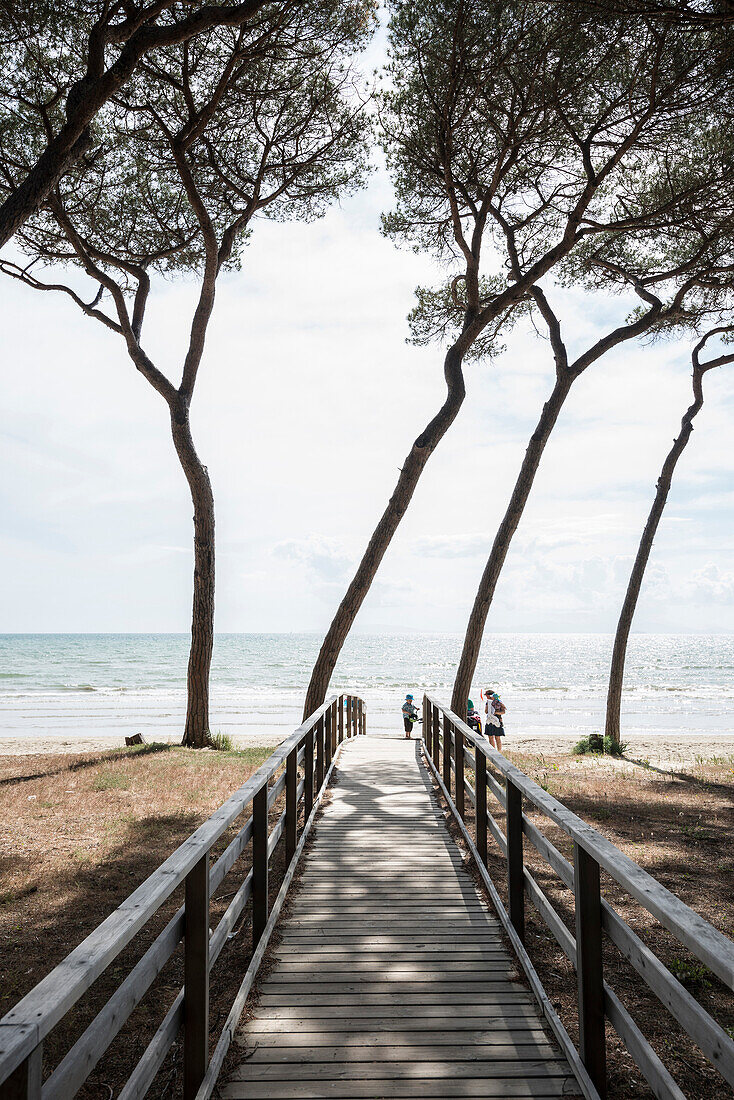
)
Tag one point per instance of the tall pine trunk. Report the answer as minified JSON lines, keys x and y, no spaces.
{"x":410,"y":473}
{"x":621,"y":638}
{"x":196,"y":732}
{"x":503,"y":539}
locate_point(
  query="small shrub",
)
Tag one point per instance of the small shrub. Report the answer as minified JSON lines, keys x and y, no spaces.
{"x":222,"y":742}
{"x":596,"y":745}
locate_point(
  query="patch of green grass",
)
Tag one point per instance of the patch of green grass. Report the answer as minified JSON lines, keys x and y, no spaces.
{"x":596,"y":745}
{"x":111,"y":781}
{"x":690,"y":973}
{"x":254,"y":755}
{"x":222,"y":742}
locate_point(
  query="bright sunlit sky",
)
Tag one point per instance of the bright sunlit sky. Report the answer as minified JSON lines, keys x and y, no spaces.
{"x":307,"y":403}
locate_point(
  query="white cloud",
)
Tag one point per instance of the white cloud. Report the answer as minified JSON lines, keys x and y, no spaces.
{"x":711,"y":584}
{"x":324,"y":558}
{"x":453,"y":546}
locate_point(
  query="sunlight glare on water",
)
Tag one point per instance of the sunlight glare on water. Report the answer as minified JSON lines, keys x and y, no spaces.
{"x":111,"y":684}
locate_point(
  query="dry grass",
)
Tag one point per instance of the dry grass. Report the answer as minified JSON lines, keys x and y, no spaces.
{"x":78,"y":833}
{"x":678,"y":826}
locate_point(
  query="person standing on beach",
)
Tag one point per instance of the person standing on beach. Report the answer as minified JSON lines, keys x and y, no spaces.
{"x":494,"y":729}
{"x":410,"y":715}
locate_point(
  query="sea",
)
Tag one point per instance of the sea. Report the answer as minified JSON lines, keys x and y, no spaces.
{"x":110,"y":685}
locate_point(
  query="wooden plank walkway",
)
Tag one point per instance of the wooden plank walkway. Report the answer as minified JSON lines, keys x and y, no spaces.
{"x":391,"y":978}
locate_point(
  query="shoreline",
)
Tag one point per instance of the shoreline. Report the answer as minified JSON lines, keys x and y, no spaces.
{"x":660,"y":749}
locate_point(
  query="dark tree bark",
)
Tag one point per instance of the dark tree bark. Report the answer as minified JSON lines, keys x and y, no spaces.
{"x":413,"y":467}
{"x":503,"y":538}
{"x":196,"y":731}
{"x":662,"y":489}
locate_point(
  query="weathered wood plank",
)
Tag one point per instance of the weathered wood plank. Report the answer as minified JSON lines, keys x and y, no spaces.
{"x":447,"y":998}
{"x":501,"y":1016}
{"x":468,"y":1051}
{"x":541,"y":1089}
{"x":409,"y":1068}
{"x":363,"y":1041}
{"x":470,"y":972}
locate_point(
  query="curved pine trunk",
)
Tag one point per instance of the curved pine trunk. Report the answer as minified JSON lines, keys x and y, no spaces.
{"x":410,"y":473}
{"x":503,"y":539}
{"x":196,"y":732}
{"x":621,"y":638}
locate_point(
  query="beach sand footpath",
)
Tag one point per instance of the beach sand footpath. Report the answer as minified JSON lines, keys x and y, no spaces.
{"x":36,"y":746}
{"x":661,"y":750}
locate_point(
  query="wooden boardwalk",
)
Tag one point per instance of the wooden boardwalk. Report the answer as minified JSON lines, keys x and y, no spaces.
{"x":391,"y":978}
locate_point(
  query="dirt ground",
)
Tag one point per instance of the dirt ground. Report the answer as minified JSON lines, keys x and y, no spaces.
{"x":678,"y":825}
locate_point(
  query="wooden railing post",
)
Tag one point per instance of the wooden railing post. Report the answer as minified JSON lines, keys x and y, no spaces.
{"x":340,"y":706}
{"x":320,"y":753}
{"x":308,"y":775}
{"x":291,"y":804}
{"x":426,"y":738}
{"x":196,"y":977}
{"x":327,"y":740}
{"x":259,"y":864}
{"x":515,"y":868}
{"x":362,"y":726}
{"x":480,"y":787}
{"x":25,"y":1082}
{"x":436,"y":724}
{"x":459,"y":772}
{"x":589,"y":968}
{"x":447,"y":753}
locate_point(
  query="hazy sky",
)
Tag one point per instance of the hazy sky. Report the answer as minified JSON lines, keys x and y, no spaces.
{"x":307,"y":403}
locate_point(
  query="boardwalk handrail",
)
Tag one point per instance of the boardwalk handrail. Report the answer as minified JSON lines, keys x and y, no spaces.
{"x":444,"y":733}
{"x":24,"y":1028}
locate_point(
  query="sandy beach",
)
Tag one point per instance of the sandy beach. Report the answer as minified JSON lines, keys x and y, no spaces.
{"x":658,"y":749}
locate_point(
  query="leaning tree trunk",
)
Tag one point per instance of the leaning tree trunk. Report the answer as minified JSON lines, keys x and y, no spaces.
{"x":196,"y":732}
{"x":503,"y":538}
{"x":621,"y":638}
{"x":410,"y":473}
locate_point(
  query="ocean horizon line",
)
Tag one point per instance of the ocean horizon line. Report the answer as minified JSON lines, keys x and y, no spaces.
{"x":406,"y":631}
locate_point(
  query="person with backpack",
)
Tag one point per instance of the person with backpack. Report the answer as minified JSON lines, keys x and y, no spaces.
{"x":473,"y":721}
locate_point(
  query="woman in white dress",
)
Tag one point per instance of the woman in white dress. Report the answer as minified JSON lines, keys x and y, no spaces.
{"x":494,"y":708}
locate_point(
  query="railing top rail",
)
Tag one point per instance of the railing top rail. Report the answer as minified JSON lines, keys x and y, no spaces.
{"x":33,"y":1017}
{"x":701,"y":938}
